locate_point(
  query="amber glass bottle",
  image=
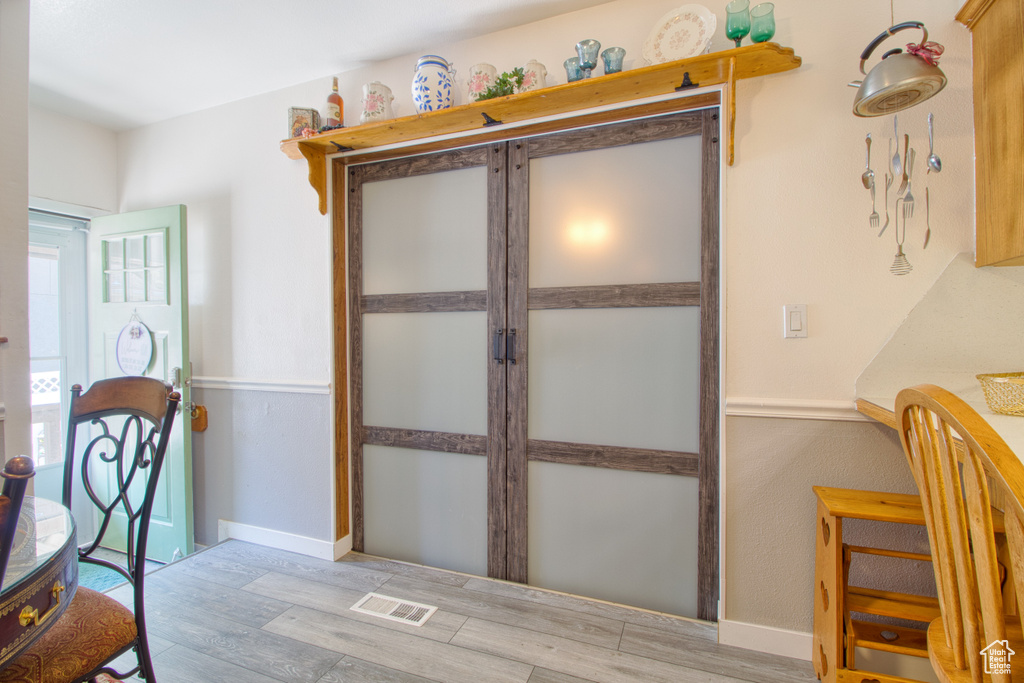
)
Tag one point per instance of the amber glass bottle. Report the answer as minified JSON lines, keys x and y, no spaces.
{"x":334,"y":114}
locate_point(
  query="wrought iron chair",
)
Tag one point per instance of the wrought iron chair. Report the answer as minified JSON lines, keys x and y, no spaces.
{"x":969,"y":479}
{"x":16,"y":474}
{"x":126,"y":424}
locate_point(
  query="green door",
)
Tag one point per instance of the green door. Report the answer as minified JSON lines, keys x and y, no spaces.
{"x":138,"y":325}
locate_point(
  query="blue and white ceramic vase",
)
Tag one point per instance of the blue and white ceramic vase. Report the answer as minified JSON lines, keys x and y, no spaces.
{"x":432,"y":85}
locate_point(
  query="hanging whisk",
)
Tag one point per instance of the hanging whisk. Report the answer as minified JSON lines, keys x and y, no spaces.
{"x":900,"y":264}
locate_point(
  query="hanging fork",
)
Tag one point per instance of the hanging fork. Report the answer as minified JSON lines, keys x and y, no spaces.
{"x":908,"y":200}
{"x":888,"y":184}
{"x":906,"y":151}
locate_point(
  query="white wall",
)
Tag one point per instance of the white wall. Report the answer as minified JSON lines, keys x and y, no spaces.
{"x":14,"y":375}
{"x":796,"y":231}
{"x":72,"y":166}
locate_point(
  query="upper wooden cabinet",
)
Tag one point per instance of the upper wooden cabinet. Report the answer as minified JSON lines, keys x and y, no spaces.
{"x":998,"y":30}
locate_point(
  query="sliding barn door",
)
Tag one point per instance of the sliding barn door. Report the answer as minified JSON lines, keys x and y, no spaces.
{"x":535,"y":360}
{"x":609,"y":312}
{"x":422,"y":235}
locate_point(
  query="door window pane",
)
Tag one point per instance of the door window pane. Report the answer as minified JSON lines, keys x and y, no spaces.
{"x":155,"y":251}
{"x":426,"y":233}
{"x":43,"y":300}
{"x":47,"y":432}
{"x":113,"y":254}
{"x":135,"y":248}
{"x":426,"y":507}
{"x":136,"y":285}
{"x":44,"y":345}
{"x":621,"y":215}
{"x":616,"y":376}
{"x":135,"y":269}
{"x":628,"y":537}
{"x":426,"y":371}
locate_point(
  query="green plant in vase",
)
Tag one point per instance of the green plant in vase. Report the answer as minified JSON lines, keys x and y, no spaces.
{"x":505,"y":84}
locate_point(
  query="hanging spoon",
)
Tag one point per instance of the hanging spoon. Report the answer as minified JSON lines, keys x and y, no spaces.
{"x":897,"y":164}
{"x":934,"y":162}
{"x":868,"y":177}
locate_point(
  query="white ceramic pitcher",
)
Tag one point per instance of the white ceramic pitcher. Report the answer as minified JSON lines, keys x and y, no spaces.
{"x":377,"y":99}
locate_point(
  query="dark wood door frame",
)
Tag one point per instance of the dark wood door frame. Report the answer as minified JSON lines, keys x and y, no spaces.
{"x":509,"y":448}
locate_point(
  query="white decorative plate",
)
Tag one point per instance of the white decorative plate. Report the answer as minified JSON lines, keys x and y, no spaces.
{"x":684,"y":32}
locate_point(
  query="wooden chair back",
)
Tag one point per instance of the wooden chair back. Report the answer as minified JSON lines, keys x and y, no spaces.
{"x":965,"y":473}
{"x":16,"y":474}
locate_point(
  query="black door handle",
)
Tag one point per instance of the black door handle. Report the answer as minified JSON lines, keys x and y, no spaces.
{"x":496,"y":347}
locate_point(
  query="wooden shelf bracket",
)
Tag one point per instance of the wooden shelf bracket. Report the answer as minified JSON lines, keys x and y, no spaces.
{"x":317,"y":161}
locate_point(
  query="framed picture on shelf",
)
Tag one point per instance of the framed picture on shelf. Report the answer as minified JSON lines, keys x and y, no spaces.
{"x":299,"y":118}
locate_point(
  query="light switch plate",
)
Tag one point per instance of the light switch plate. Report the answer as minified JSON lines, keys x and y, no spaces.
{"x":794,"y":321}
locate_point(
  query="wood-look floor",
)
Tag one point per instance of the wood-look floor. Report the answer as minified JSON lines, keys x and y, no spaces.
{"x":241,"y":613}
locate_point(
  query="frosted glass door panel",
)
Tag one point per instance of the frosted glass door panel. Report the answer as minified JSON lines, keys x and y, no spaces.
{"x":628,"y":537}
{"x":616,"y":376}
{"x":426,"y":507}
{"x":426,"y":371}
{"x":426,"y":233}
{"x":622,"y":215}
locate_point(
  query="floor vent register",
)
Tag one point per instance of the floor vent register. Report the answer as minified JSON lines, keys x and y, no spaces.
{"x":395,"y":609}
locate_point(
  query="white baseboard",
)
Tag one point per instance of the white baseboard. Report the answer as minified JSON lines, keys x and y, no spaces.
{"x":324,"y":550}
{"x":776,"y":641}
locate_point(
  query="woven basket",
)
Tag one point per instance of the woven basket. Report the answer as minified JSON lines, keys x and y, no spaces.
{"x":1004,"y":392}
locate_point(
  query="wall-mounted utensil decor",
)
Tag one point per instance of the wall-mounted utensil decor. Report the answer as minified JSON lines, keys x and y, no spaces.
{"x":927,"y":219}
{"x":934,"y":162}
{"x":901,"y":79}
{"x":908,"y":200}
{"x":900,"y":264}
{"x":897,"y":164}
{"x":888,"y":184}
{"x":906,"y":154}
{"x":873,"y":217}
{"x":868,"y":177}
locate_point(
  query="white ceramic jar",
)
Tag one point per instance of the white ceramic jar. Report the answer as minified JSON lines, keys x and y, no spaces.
{"x":533,"y":76}
{"x":481,"y":77}
{"x":432,"y":85}
{"x":377,"y":99}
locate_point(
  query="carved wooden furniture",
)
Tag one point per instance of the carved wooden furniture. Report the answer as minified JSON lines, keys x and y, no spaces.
{"x":836,"y":633}
{"x":998,"y":44}
{"x":963,"y":469}
{"x":125,"y":425}
{"x":41,"y":578}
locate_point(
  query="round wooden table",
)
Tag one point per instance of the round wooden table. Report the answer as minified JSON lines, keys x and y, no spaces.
{"x":41,"y":577}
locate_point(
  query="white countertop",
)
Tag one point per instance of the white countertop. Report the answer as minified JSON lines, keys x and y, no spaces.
{"x":970,"y":322}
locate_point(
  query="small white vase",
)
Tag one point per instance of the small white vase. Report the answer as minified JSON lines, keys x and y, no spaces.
{"x":481,"y":77}
{"x":533,"y":76}
{"x":377,"y":99}
{"x":432,"y":85}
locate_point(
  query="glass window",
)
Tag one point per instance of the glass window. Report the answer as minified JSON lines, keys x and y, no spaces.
{"x":135,"y":269}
